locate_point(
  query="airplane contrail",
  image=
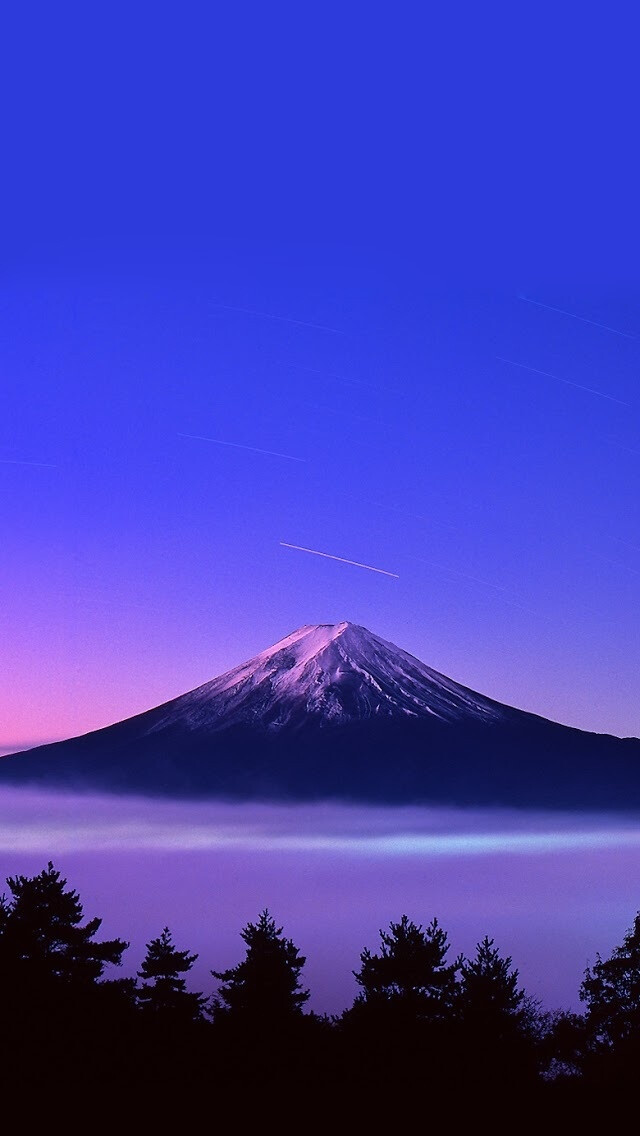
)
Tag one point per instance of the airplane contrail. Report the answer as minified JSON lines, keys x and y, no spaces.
{"x":583,"y":319}
{"x":14,"y":461}
{"x":342,"y":559}
{"x":281,"y":319}
{"x":548,"y":375}
{"x":239,"y":446}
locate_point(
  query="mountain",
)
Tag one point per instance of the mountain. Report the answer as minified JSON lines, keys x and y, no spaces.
{"x":334,"y":712}
{"x":321,"y":676}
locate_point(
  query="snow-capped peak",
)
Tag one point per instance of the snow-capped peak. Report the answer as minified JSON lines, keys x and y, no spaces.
{"x":325,"y":674}
{"x":301,"y":645}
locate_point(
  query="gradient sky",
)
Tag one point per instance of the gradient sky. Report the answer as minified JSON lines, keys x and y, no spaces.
{"x":401,"y":259}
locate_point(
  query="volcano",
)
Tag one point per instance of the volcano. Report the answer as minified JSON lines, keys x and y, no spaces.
{"x":333,"y":712}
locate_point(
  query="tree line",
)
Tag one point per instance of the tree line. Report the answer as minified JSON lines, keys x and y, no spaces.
{"x":422,"y":1025}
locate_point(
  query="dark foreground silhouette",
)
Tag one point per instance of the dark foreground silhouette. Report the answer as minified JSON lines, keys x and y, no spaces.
{"x":426,"y":1032}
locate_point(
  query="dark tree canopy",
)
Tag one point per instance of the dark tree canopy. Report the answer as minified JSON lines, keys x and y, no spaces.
{"x":500,"y":1026}
{"x":42,"y":940}
{"x":265,"y":987}
{"x":421,"y":1029}
{"x":489,"y":992}
{"x":611,"y":990}
{"x":410,"y":971}
{"x":164,"y":990}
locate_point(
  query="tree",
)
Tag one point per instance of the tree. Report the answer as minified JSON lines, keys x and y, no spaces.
{"x":500,"y":1027}
{"x":562,"y":1045}
{"x":163,"y":992}
{"x":42,"y":942}
{"x":410,"y":972}
{"x":398,"y":1032}
{"x":59,"y":1013}
{"x":264,"y":989}
{"x":489,"y":993}
{"x":611,"y":990}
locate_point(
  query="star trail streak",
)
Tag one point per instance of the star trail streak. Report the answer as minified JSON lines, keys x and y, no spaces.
{"x":240,"y":446}
{"x":583,"y":319}
{"x":281,"y":319}
{"x":548,"y":375}
{"x":14,"y":461}
{"x":342,"y":559}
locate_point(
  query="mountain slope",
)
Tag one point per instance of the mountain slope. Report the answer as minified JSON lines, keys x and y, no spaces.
{"x":323,"y":675}
{"x":333,"y":711}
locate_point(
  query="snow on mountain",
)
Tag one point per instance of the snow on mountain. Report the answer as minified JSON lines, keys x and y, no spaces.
{"x":324,"y":674}
{"x":333,"y":712}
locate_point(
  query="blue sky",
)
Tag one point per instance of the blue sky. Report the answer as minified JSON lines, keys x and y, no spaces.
{"x":318,"y":234}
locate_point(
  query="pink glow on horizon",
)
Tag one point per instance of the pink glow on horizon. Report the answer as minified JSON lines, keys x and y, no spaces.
{"x":79,"y":689}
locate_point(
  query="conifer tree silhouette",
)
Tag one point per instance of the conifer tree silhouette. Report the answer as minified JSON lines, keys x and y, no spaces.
{"x":59,"y":1012}
{"x":164,"y":991}
{"x":489,"y":992}
{"x":611,"y":990}
{"x":265,"y":988}
{"x":500,"y":1024}
{"x":410,"y":973}
{"x":42,"y":940}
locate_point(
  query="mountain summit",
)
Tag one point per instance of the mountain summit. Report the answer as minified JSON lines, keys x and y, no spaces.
{"x":320,"y":675}
{"x":332,"y":711}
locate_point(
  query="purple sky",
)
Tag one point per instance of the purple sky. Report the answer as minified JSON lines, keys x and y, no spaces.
{"x":391,"y":273}
{"x":386,"y":263}
{"x":140,"y":562}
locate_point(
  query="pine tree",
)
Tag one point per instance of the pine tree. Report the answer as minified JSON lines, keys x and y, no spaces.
{"x":264,"y":989}
{"x":163,"y":991}
{"x":42,"y":941}
{"x":500,"y":1026}
{"x":489,"y":992}
{"x":398,"y":1030}
{"x":410,"y":972}
{"x":59,"y":1013}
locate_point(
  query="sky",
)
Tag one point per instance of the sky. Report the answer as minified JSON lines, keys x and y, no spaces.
{"x":362,"y":284}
